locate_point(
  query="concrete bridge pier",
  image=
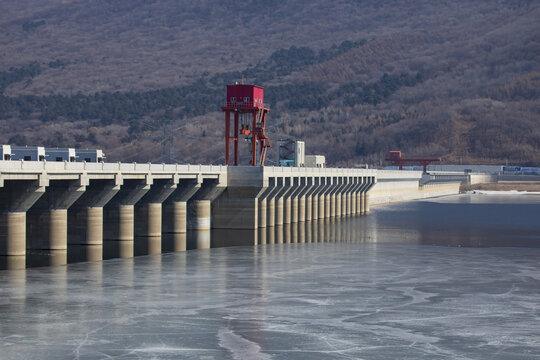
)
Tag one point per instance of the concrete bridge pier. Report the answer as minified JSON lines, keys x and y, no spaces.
{"x":16,"y":198}
{"x":354,"y":191}
{"x":315,"y":181}
{"x":288,"y":200}
{"x":266,"y":204}
{"x":346,"y":199}
{"x":307,"y":188}
{"x":323,"y":195}
{"x":149,"y":218}
{"x":119,"y":221}
{"x":299,"y":186}
{"x":361,"y":195}
{"x":277,"y":188}
{"x":85,"y":216}
{"x":371,"y":182}
{"x":174,"y":210}
{"x":47,"y":219}
{"x":339,"y":196}
{"x":328,"y":197}
{"x":350,"y":189}
{"x":200,"y":205}
{"x":355,"y":209}
{"x":318,"y":198}
{"x":280,"y":202}
{"x":332,"y":196}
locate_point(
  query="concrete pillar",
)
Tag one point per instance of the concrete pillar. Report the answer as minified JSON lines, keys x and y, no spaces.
{"x":85,"y":219}
{"x":360,"y":197}
{"x":94,"y":226}
{"x":309,"y":208}
{"x":328,"y":198}
{"x":126,"y":222}
{"x":287,"y":233}
{"x":344,"y":198}
{"x":339,"y":197}
{"x":271,"y":212}
{"x":287,"y":203}
{"x":279,"y":211}
{"x":13,"y":225}
{"x":16,"y":198}
{"x":47,"y":219}
{"x":119,"y":220}
{"x":262,"y":213}
{"x":149,"y":215}
{"x":265,"y":194}
{"x":333,"y":204}
{"x":353,"y":196}
{"x":262,"y":236}
{"x":366,"y":203}
{"x":174,"y":211}
{"x":307,"y":188}
{"x":370,"y":183}
{"x":319,"y":186}
{"x":279,"y":234}
{"x":281,"y":203}
{"x":349,"y":205}
{"x":270,"y":235}
{"x":299,"y":184}
{"x":57,"y":229}
{"x":200,"y":206}
{"x":307,"y":184}
{"x":200,"y":215}
{"x":323,"y":194}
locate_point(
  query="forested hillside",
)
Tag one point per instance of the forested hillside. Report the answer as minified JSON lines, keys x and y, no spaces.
{"x":144,"y":80}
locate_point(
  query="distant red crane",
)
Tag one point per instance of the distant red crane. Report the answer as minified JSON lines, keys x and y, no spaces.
{"x":395,"y":158}
{"x":246,"y":102}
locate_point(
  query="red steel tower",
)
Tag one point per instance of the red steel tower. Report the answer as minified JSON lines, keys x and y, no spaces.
{"x":246,"y":102}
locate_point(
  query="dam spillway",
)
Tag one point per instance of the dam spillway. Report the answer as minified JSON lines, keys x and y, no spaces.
{"x":52,"y":205}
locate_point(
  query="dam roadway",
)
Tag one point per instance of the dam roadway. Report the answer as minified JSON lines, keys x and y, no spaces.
{"x":53,"y":205}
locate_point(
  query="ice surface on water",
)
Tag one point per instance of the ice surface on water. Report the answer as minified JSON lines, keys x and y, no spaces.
{"x":375,"y":297}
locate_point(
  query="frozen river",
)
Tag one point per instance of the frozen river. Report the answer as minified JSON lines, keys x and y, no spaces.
{"x":450,"y":278}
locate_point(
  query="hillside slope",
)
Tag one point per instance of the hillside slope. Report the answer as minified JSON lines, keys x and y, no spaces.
{"x":354,"y":79}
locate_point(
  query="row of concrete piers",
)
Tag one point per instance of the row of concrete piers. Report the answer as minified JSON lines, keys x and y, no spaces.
{"x":270,"y":197}
{"x":46,"y":208}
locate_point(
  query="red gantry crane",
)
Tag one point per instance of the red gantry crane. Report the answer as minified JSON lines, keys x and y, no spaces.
{"x":246,"y":103}
{"x":395,"y":158}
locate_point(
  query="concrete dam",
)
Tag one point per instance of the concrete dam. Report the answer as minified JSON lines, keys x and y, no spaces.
{"x":55,"y":205}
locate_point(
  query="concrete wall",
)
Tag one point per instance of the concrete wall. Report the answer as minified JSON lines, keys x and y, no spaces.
{"x":396,"y":186}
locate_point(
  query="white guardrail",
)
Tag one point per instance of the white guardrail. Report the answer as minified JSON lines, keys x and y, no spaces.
{"x":40,"y":166}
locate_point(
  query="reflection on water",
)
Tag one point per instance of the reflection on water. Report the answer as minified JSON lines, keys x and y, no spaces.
{"x":464,"y":220}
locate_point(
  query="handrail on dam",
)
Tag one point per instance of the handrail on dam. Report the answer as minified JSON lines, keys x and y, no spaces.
{"x":102,"y":166}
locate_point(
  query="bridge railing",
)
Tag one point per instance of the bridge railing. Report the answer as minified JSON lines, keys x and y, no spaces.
{"x":40,"y":166}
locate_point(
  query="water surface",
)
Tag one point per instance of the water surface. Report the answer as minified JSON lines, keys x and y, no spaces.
{"x":455,"y":277}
